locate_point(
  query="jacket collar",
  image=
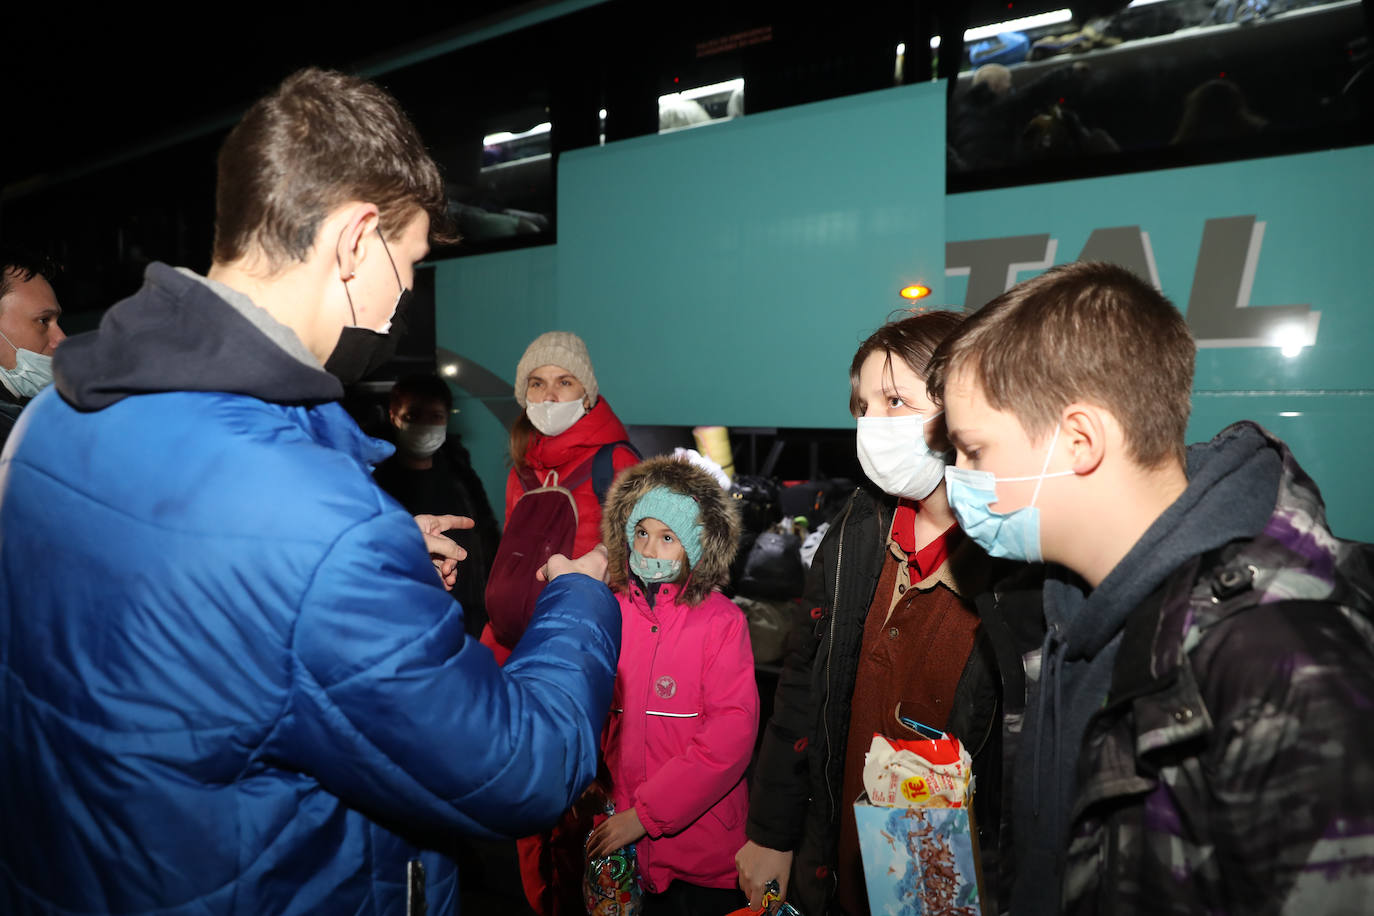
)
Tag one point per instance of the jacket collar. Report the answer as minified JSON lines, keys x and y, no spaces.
{"x":180,"y":333}
{"x":1153,"y":676}
{"x":666,"y":607}
{"x":1154,"y":680}
{"x":967,"y":571}
{"x":9,"y":397}
{"x":598,"y":427}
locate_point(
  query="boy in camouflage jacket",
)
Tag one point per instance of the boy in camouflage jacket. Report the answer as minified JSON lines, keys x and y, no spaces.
{"x":1191,"y":734}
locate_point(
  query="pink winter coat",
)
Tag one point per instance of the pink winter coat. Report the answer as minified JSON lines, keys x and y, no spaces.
{"x":681,"y":731}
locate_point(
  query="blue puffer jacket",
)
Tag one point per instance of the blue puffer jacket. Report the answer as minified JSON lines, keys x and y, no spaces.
{"x":229,"y":680}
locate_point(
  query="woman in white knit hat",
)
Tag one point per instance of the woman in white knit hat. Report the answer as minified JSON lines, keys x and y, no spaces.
{"x":566,"y":427}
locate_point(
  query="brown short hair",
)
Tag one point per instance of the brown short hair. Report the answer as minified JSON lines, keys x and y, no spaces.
{"x":1086,"y":331}
{"x":321,"y":139}
{"x":912,"y":337}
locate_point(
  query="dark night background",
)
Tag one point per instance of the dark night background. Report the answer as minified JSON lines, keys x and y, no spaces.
{"x":80,"y":87}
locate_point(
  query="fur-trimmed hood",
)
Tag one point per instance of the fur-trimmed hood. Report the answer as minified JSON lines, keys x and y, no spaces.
{"x":720,"y":526}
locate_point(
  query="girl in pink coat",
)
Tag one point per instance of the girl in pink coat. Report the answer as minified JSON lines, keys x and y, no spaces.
{"x":685,"y":709}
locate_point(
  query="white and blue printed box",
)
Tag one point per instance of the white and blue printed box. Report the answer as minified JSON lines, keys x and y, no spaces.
{"x":919,"y":861}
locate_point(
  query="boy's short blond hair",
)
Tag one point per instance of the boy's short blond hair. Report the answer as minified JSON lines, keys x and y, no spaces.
{"x":1087,"y":331}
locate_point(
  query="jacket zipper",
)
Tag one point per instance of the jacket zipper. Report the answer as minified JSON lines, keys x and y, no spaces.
{"x":830,"y":649}
{"x":992,"y":723}
{"x":642,"y":850}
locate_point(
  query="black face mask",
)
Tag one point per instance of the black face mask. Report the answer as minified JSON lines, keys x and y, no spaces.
{"x":362,"y":351}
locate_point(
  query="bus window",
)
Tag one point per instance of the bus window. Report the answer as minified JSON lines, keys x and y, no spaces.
{"x":491,"y":137}
{"x":1155,"y":83}
{"x":701,"y":105}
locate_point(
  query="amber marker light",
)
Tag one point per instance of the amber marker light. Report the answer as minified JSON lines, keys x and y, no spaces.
{"x":915,"y":291}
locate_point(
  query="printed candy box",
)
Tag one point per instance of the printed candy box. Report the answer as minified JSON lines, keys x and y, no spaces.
{"x":919,"y":845}
{"x":918,"y":861}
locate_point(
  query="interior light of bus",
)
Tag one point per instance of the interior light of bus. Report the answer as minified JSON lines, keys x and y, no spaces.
{"x":702,"y":91}
{"x":449,"y":370}
{"x":506,"y":136}
{"x":1290,"y":413}
{"x":915,"y":291}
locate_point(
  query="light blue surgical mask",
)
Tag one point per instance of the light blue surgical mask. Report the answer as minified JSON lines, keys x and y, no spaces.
{"x":1014,"y":535}
{"x":32,"y":372}
{"x":654,"y":569}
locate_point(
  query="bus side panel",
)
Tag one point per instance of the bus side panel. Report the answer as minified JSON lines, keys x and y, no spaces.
{"x":1268,"y":259}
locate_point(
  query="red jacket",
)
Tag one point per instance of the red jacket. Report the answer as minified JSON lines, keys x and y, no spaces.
{"x":682,"y":728}
{"x":566,"y":452}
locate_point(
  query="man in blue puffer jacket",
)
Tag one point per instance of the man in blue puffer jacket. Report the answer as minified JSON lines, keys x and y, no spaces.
{"x":229,"y":680}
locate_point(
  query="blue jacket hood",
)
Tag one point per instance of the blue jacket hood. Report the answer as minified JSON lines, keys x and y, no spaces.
{"x":178,"y":334}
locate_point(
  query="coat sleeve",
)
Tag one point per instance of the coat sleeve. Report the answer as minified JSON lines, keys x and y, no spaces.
{"x":623,"y":458}
{"x":395,"y":710}
{"x":1293,"y":760}
{"x":780,"y":791}
{"x":686,"y":786}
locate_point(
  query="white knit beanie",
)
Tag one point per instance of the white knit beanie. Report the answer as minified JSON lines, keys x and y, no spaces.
{"x":563,"y":349}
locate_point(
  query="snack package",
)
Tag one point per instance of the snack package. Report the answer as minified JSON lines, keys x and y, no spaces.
{"x":926,"y":773}
{"x":610,"y":884}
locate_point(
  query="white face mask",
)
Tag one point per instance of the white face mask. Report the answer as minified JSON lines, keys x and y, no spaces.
{"x":32,"y":372}
{"x":420,"y":440}
{"x":895,"y":456}
{"x":553,"y":418}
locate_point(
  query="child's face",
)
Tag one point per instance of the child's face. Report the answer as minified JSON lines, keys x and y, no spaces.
{"x":553,"y":383}
{"x":891,"y":388}
{"x":988,"y":439}
{"x":655,"y":540}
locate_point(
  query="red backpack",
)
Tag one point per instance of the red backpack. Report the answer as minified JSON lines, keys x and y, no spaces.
{"x":542,"y":523}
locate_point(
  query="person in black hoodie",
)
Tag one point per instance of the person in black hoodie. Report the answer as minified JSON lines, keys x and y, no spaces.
{"x":1191,"y":734}
{"x":431,"y":474}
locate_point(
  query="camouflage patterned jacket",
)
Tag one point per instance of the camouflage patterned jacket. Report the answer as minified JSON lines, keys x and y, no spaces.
{"x":1232,"y":768}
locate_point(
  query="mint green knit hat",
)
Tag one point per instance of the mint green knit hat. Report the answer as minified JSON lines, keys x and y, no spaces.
{"x":678,"y":511}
